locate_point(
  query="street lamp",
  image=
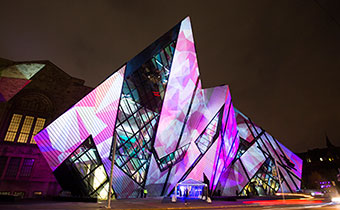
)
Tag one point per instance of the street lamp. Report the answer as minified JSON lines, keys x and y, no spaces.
{"x":111,"y":172}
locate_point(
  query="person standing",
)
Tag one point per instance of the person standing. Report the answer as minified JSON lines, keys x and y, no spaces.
{"x":186,"y":195}
{"x":145,"y":192}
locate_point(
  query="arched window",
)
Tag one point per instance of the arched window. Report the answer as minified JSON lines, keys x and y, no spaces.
{"x":29,"y":115}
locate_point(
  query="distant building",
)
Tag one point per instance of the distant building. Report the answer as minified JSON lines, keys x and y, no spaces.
{"x":32,"y":94}
{"x":321,"y":167}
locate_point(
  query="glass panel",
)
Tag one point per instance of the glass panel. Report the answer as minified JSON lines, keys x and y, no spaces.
{"x":26,"y":129}
{"x":127,"y":128}
{"x":13,"y":127}
{"x":121,"y":115}
{"x":124,"y":106}
{"x":133,"y":124}
{"x":39,"y":125}
{"x":141,"y":103}
{"x":27,"y":167}
{"x":99,"y":177}
{"x":87,"y":163}
{"x":13,"y":167}
{"x":173,"y":158}
{"x":139,"y":119}
{"x":128,"y":106}
{"x":3,"y":161}
{"x":103,"y":191}
{"x":264,"y":182}
{"x":144,"y":116}
{"x":243,"y":147}
{"x":135,"y":95}
{"x":206,"y":139}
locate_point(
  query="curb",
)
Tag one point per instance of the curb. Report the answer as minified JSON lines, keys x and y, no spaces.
{"x":219,"y":207}
{"x":197,"y":207}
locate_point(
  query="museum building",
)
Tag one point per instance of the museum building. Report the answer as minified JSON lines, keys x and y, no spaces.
{"x":166,"y":129}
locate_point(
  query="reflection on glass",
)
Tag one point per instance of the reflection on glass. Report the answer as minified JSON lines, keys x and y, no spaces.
{"x":139,"y":109}
{"x":87,"y":163}
{"x":204,"y":141}
{"x":264,"y":182}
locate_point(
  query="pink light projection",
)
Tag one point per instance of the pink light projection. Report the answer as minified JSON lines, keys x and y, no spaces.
{"x":252,"y":160}
{"x":228,"y":141}
{"x":93,"y":115}
{"x":9,"y":87}
{"x":213,"y":161}
{"x":234,"y":179}
{"x":273,"y":146}
{"x":197,"y":135}
{"x":242,"y":126}
{"x":205,"y":105}
{"x":261,"y":151}
{"x":229,"y":135}
{"x":289,"y":180}
{"x":207,"y":164}
{"x":156,"y":178}
{"x":179,"y":170}
{"x":294,"y":159}
{"x":179,"y":91}
{"x":14,"y":78}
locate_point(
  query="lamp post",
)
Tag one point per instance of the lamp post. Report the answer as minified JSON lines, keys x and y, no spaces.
{"x":278,"y":173}
{"x":111,"y":172}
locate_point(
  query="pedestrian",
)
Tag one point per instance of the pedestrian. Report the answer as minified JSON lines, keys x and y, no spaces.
{"x":186,"y":195}
{"x":145,"y":191}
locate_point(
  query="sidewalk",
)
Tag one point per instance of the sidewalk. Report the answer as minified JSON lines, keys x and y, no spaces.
{"x":160,"y":203}
{"x":143,"y":204}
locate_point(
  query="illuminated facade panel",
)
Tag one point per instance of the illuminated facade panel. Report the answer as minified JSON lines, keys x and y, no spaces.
{"x":16,"y":77}
{"x":94,"y":115}
{"x":264,"y":163}
{"x":182,"y":84}
{"x":167,"y":129}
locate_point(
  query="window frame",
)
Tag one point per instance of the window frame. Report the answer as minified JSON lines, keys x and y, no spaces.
{"x":26,"y":169}
{"x":37,"y":120}
{"x":13,"y":168}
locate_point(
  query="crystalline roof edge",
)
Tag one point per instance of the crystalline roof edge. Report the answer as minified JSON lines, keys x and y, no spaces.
{"x":152,"y":49}
{"x":239,"y":112}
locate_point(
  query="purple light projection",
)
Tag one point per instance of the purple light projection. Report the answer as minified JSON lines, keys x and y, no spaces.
{"x":202,"y":121}
{"x":180,"y":89}
{"x":93,"y":115}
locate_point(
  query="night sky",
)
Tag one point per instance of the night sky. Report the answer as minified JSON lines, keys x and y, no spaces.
{"x":281,"y":58}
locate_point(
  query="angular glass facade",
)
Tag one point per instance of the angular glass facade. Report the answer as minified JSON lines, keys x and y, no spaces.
{"x":167,"y":129}
{"x":260,"y":163}
{"x":138,"y":113}
{"x":87,"y":176}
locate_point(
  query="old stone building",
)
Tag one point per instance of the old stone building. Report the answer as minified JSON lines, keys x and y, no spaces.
{"x":32,"y":94}
{"x":321,"y":167}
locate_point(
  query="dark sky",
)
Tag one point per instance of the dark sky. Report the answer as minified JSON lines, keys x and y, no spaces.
{"x":281,"y":58}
